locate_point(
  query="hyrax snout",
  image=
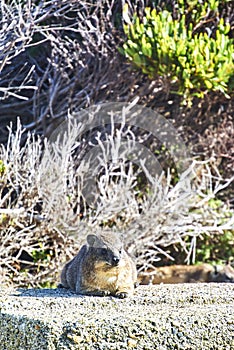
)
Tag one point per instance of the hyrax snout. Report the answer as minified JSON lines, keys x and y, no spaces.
{"x":101,"y":267}
{"x":106,"y":252}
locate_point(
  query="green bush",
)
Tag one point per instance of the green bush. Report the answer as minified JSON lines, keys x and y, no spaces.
{"x":218,"y":248}
{"x":195,"y":62}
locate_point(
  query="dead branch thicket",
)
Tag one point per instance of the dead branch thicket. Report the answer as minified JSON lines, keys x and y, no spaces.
{"x":65,"y":56}
{"x":44,"y":216}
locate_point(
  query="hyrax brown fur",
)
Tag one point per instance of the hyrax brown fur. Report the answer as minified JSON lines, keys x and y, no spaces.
{"x":185,"y":274}
{"x":101,"y":267}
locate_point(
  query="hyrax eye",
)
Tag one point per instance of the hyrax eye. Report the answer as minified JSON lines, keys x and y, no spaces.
{"x":103,"y":251}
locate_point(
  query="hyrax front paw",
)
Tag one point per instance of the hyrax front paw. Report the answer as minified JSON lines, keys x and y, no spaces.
{"x":122,"y":295}
{"x":95,"y":293}
{"x":102,"y":293}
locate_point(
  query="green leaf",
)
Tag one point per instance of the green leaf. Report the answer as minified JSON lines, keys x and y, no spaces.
{"x":161,"y":45}
{"x":208,"y":84}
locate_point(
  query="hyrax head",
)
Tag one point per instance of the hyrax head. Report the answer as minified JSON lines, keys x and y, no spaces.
{"x":223,"y":273}
{"x":107,"y":248}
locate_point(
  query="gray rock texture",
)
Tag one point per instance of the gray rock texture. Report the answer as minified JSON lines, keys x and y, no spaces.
{"x":183,"y":316}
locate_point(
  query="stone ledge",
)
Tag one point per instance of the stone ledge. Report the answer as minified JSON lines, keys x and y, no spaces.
{"x":185,"y":316}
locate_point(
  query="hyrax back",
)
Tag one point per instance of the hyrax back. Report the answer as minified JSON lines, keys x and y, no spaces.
{"x":101,"y":267}
{"x":187,"y":273}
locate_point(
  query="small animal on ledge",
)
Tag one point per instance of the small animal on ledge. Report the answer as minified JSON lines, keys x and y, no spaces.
{"x":102,"y":267}
{"x":187,"y":274}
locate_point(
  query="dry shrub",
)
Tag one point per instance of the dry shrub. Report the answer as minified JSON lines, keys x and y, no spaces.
{"x":217,"y":143}
{"x":44,"y":216}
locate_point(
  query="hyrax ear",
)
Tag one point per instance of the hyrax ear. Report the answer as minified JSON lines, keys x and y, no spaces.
{"x":91,"y":239}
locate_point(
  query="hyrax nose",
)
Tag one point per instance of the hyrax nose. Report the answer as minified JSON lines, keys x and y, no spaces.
{"x":115,"y":260}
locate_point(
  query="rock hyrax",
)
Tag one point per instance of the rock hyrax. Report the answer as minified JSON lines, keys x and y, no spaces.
{"x":101,"y":267}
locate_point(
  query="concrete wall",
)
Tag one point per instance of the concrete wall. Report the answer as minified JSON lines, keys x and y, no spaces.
{"x":186,"y":316}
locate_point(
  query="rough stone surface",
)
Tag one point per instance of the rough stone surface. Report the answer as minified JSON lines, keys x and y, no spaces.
{"x":186,"y":316}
